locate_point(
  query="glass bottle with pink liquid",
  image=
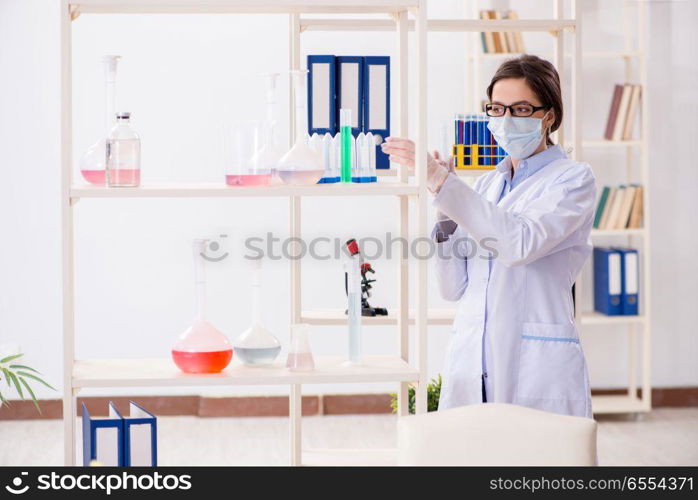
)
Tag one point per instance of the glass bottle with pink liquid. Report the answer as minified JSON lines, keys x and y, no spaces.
{"x":201,"y":348}
{"x":123,"y":153}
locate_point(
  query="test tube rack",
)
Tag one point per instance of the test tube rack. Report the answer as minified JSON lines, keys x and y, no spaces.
{"x":477,"y":156}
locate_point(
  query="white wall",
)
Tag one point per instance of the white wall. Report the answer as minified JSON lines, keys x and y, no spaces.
{"x":180,"y":75}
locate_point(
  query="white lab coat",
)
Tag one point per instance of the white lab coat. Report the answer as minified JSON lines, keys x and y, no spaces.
{"x":537,"y":236}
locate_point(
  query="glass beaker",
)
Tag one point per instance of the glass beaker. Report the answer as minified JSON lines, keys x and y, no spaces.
{"x":244,"y":166}
{"x":201,"y":348}
{"x":123,"y":153}
{"x":300,"y":357}
{"x":257,"y":346}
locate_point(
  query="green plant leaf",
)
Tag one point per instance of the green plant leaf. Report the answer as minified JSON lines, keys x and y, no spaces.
{"x":7,"y":375}
{"x":24,"y":367}
{"x":10,"y":358}
{"x":31,"y":393}
{"x":29,"y":375}
{"x":3,"y":401}
{"x":13,"y":377}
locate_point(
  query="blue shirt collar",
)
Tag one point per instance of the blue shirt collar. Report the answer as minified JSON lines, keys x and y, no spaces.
{"x":530,"y":165}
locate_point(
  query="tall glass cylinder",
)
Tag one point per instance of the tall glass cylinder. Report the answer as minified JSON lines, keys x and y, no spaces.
{"x":346,"y":144}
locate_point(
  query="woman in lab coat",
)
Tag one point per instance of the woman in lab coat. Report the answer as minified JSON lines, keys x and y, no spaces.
{"x":509,"y":251}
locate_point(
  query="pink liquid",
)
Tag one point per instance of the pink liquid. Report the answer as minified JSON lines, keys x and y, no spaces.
{"x":202,"y":362}
{"x":248,"y":180}
{"x":300,"y":362}
{"x":96,"y":177}
{"x":124,"y":177}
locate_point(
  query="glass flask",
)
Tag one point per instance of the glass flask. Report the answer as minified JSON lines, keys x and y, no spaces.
{"x":245,"y":167}
{"x":123,"y":153}
{"x":201,"y":348}
{"x":256,"y":346}
{"x":301,"y":165}
{"x":300,"y":358}
{"x":269,"y":154}
{"x":93,"y":163}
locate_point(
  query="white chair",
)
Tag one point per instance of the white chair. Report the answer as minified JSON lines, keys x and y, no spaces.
{"x":496,"y":434}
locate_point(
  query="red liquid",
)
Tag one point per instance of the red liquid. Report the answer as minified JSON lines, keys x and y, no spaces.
{"x":248,"y":180}
{"x":96,"y":177}
{"x":202,"y":362}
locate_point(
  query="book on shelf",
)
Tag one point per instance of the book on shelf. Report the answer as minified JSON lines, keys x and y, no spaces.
{"x":487,"y":38}
{"x":619,"y":208}
{"x":622,"y":112}
{"x":505,"y":42}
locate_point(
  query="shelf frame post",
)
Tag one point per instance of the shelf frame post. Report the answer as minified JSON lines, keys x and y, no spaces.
{"x":67,"y":259}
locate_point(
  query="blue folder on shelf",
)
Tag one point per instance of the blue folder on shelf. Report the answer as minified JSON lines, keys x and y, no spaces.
{"x":349,"y":89}
{"x":608,"y":281}
{"x":630,"y":274}
{"x":322,"y":98}
{"x":102,"y":438}
{"x":376,"y":103}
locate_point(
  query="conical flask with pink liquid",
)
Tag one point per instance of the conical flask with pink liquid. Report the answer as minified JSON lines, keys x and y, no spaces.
{"x":201,"y":348}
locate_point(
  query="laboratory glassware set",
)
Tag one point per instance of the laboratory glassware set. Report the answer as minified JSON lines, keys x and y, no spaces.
{"x":252,"y":154}
{"x":115,"y":159}
{"x":202,"y":348}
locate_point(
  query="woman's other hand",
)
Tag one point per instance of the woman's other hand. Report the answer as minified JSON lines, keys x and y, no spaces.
{"x":402,"y":152}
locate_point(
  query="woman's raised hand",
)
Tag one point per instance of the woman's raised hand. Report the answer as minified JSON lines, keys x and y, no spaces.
{"x":402,"y":152}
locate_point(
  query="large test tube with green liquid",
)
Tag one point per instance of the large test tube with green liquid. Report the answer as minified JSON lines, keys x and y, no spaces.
{"x":346,"y":149}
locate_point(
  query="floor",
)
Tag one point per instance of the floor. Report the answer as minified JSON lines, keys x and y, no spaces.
{"x":667,"y":436}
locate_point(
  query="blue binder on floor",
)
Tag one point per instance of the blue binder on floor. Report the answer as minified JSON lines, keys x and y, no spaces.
{"x":322,"y":98}
{"x":376,"y":103}
{"x":102,"y":438}
{"x":608,"y":281}
{"x":630,"y":276}
{"x":118,"y":441}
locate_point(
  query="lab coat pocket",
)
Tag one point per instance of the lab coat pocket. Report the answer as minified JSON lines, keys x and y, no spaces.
{"x":552,"y":368}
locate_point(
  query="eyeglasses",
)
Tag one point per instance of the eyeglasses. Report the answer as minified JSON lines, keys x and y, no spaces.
{"x":521,"y":110}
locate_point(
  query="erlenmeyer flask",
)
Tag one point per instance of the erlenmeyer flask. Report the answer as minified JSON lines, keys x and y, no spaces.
{"x":301,"y":165}
{"x":93,"y":162}
{"x":201,"y":348}
{"x":300,"y":358}
{"x":257,"y":346}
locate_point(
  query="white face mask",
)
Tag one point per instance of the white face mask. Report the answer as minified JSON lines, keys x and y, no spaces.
{"x":518,"y":136}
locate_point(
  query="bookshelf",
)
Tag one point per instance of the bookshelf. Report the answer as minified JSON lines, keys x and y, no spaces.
{"x":633,"y":58}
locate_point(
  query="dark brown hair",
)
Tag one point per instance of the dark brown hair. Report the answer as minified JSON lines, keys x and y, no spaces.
{"x":541,"y":76}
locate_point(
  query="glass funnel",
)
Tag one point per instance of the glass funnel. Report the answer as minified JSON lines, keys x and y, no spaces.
{"x":244,"y":164}
{"x":301,"y":165}
{"x":257,"y":346}
{"x":201,"y":348}
{"x":93,"y":162}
